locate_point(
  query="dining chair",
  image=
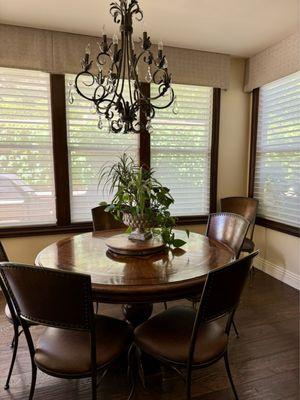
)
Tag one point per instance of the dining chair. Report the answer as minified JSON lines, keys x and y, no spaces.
{"x":189,"y":339}
{"x":247,"y":207}
{"x":229,"y":229}
{"x":75,"y":343}
{"x":104,"y":221}
{"x":13,"y":319}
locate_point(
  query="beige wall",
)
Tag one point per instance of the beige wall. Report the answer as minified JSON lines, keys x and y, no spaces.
{"x":279,"y":252}
{"x":234,"y":134}
{"x":25,"y":249}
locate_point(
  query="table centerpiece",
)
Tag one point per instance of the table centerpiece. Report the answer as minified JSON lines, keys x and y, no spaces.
{"x":139,"y":200}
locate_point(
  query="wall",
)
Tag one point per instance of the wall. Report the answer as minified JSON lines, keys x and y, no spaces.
{"x":280,"y":253}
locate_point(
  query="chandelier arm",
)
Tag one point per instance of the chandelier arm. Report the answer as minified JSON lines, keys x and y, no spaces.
{"x":82,"y":73}
{"x":172,"y":98}
{"x":119,"y":68}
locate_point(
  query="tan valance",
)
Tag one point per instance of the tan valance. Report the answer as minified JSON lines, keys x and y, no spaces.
{"x":274,"y":63}
{"x":59,"y":52}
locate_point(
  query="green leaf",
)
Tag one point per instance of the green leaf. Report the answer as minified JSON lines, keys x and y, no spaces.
{"x":103,"y":203}
{"x":178,"y":243}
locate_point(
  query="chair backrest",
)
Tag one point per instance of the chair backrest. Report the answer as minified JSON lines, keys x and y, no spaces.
{"x":3,"y":255}
{"x":103,"y":220}
{"x":220,"y":296}
{"x":223,"y":289}
{"x":228,"y":228}
{"x":245,"y":206}
{"x":48,"y":297}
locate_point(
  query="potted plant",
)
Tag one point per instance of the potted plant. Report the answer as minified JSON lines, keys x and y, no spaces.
{"x":139,"y":200}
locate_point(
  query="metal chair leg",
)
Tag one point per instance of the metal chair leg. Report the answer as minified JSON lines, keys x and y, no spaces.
{"x":94,"y":386}
{"x":15,"y":343}
{"x":33,"y":379}
{"x":229,"y":376}
{"x":130,"y":371}
{"x":165,"y":305}
{"x":189,"y":384}
{"x":235,"y":329}
{"x":12,"y":345}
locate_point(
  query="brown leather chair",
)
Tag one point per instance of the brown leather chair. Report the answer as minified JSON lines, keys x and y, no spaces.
{"x":183,"y":337}
{"x":12,"y":317}
{"x":76,"y":343}
{"x":104,"y":221}
{"x":228,"y":228}
{"x":247,"y":207}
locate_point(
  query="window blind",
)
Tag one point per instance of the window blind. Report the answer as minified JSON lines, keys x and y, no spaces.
{"x":277,"y":183}
{"x":181,"y":148}
{"x":27,"y":194}
{"x":89,"y":149}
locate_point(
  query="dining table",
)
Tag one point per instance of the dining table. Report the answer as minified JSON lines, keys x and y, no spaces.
{"x":138,"y":281}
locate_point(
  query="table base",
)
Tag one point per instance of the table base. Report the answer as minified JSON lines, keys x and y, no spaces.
{"x":136,"y":314}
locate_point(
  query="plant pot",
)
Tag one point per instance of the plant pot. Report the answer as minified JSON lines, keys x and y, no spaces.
{"x":139,"y":224}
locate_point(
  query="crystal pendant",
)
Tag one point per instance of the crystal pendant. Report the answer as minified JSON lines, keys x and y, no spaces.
{"x":175,"y":106}
{"x":100,"y":123}
{"x":93,"y":109}
{"x":148,"y":77}
{"x":71,"y":93}
{"x":149,"y":127}
{"x":165,"y":63}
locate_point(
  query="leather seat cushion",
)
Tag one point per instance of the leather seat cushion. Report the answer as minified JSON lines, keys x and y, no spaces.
{"x":168,"y":334}
{"x":66,"y":351}
{"x":248,"y":245}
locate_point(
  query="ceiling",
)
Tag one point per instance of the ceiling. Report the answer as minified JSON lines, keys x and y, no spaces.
{"x":237,"y":27}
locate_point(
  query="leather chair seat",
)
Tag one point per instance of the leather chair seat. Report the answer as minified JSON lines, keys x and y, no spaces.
{"x":248,"y":245}
{"x":66,"y":351}
{"x":168,"y":335}
{"x":8,"y":314}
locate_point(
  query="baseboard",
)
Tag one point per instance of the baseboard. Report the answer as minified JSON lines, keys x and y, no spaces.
{"x":280,"y":273}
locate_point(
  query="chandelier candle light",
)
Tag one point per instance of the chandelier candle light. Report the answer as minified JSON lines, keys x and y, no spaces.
{"x":120,"y":105}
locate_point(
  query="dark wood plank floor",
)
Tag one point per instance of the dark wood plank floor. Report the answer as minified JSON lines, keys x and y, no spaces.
{"x":265,"y":360}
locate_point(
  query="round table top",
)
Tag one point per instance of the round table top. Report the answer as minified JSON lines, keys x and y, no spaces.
{"x":172,"y":274}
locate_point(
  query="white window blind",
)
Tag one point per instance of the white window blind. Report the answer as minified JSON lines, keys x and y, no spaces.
{"x":27,"y":194}
{"x":277,"y":173}
{"x":181,"y":149}
{"x":89,"y":149}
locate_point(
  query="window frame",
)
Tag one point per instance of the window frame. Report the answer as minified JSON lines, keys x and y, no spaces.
{"x":265,"y":222}
{"x":61,"y":167}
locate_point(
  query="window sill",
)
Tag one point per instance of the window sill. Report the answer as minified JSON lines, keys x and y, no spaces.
{"x":20,"y":231}
{"x":81,"y":227}
{"x":278,"y":226}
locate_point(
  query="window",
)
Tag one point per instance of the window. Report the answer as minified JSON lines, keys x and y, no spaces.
{"x":277,"y":183}
{"x":181,"y":149}
{"x":42,"y":149}
{"x":27,"y":195}
{"x":89,"y":149}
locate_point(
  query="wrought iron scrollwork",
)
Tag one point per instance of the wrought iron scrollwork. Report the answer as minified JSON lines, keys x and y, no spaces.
{"x":106,"y":90}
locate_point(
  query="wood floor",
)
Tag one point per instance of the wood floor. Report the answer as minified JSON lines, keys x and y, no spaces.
{"x":265,"y":360}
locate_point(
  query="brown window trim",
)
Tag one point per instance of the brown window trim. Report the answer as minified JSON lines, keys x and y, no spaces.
{"x":267,"y":223}
{"x":80,"y":227}
{"x":61,"y":168}
{"x":60,"y":149}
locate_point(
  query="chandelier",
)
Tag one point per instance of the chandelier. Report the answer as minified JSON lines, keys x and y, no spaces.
{"x":125,"y":105}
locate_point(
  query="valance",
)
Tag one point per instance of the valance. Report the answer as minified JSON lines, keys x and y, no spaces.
{"x":59,"y":52}
{"x":274,"y":63}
